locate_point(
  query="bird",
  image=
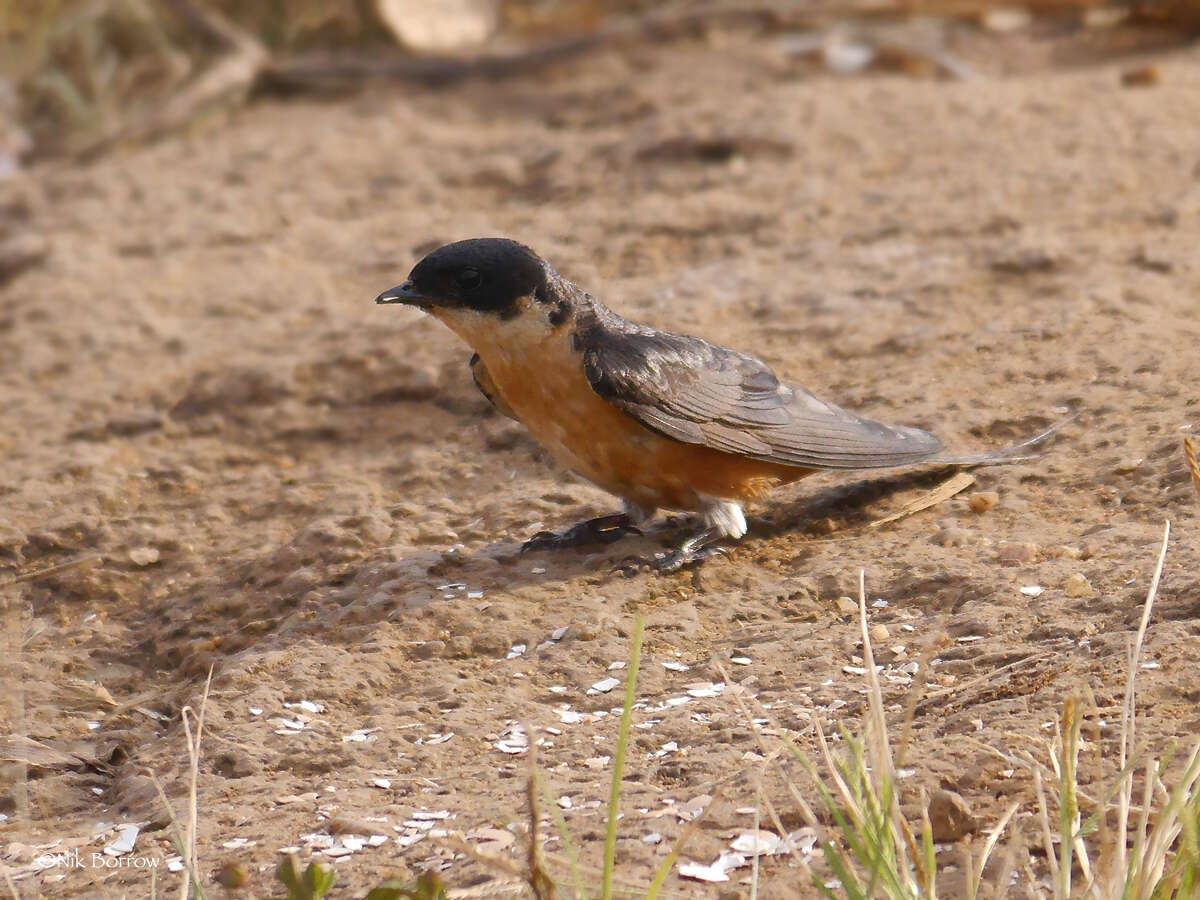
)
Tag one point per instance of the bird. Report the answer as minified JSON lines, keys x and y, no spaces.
{"x":662,"y":421}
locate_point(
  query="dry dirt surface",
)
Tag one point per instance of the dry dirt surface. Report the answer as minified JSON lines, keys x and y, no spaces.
{"x":305,"y":492}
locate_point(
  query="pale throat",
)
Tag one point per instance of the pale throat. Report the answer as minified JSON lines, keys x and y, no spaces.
{"x":517,"y":349}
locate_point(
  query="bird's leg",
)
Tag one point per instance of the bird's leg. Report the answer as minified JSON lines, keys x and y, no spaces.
{"x":694,"y":550}
{"x":601,"y":530}
{"x":722,"y":519}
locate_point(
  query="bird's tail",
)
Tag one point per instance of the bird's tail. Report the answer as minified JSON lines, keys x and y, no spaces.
{"x":1014,"y":453}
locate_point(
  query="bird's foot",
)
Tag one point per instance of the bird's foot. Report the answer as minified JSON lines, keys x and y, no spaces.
{"x":691,"y":552}
{"x":602,"y":530}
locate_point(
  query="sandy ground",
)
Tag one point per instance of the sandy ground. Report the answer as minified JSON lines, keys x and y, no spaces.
{"x":306,"y":492}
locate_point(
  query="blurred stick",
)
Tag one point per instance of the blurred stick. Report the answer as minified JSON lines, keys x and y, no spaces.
{"x":228,"y":80}
{"x":212,"y":23}
{"x":89,"y":559}
{"x":309,"y":71}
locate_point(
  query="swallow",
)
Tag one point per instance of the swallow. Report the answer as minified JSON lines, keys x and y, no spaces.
{"x":661,"y":420}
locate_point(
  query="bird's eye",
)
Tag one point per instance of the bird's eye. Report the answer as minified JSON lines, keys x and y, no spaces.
{"x":468,"y":278}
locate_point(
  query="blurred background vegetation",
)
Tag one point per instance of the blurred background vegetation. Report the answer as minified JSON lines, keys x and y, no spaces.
{"x":77,"y":76}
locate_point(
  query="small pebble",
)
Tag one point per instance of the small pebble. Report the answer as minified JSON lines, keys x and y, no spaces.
{"x":1126,"y":466}
{"x":879,"y":633}
{"x":1005,"y":18}
{"x":143,"y":556}
{"x":982,"y":501}
{"x":1077,"y":585}
{"x":1062,"y":551}
{"x":950,"y":817}
{"x":1017,"y":553}
{"x":846,"y":605}
{"x":232,"y":876}
{"x":823,"y":526}
{"x":436,"y":534}
{"x":429,"y":650}
{"x":950,"y":536}
{"x":347,"y":825}
{"x":1143,"y":76}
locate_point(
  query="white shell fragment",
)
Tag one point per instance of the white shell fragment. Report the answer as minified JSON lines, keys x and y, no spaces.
{"x":604,"y":685}
{"x":845,"y":57}
{"x":124,"y":841}
{"x":685,"y":812}
{"x":513,"y":739}
{"x":761,"y":843}
{"x":767,"y":843}
{"x":307,"y":705}
{"x":715,"y":872}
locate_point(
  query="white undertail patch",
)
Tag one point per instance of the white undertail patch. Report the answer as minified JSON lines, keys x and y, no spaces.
{"x":724,"y":515}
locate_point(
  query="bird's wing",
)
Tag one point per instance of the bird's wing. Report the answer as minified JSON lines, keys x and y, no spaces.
{"x":702,"y":393}
{"x":487,"y":387}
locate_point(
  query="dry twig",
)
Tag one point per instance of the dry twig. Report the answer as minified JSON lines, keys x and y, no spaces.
{"x":943,"y":491}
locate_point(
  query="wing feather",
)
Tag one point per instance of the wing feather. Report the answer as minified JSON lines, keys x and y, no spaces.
{"x":702,"y":393}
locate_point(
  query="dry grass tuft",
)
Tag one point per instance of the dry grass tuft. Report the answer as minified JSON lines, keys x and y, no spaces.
{"x":185,"y":838}
{"x":1189,"y":451}
{"x":872,"y":851}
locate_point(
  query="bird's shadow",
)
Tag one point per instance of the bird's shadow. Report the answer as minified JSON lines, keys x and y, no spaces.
{"x":851,"y":507}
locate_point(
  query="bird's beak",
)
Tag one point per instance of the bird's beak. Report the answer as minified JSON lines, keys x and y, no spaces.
{"x":404,"y":293}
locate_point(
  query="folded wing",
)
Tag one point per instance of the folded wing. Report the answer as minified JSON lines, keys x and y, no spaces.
{"x":702,"y":393}
{"x":487,"y":387}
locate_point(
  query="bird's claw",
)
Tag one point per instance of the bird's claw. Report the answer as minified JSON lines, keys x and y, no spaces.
{"x":604,"y":530}
{"x":666,"y":563}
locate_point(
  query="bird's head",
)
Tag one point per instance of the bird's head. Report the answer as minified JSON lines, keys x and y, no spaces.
{"x":488,"y":276}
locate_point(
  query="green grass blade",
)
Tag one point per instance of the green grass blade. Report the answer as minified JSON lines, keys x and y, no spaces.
{"x":614,"y":795}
